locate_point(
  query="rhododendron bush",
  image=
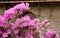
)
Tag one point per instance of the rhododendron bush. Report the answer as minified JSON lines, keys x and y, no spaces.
{"x":14,"y":26}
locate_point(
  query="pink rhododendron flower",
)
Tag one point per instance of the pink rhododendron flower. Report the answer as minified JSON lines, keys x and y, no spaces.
{"x":14,"y":26}
{"x":16,"y":32}
{"x":22,"y":21}
{"x":57,"y":36}
{"x":6,"y":25}
{"x":44,"y":23}
{"x":5,"y":35}
{"x":8,"y":31}
{"x":21,"y":7}
{"x":10,"y":13}
{"x":31,"y":23}
{"x":17,"y":22}
{"x":2,"y":21}
{"x":27,"y":18}
{"x":27,"y":6}
{"x":37,"y":19}
{"x":24,"y":24}
{"x":41,"y":36}
{"x":30,"y":34}
{"x":1,"y":32}
{"x":37,"y":28}
{"x":50,"y":34}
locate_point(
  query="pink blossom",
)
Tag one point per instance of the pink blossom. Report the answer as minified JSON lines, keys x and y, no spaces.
{"x":17,"y":22}
{"x":8,"y":31}
{"x":23,"y":24}
{"x":57,"y":36}
{"x":22,"y":21}
{"x":37,"y":19}
{"x":1,"y":32}
{"x":13,"y":27}
{"x":41,"y":36}
{"x":18,"y":6}
{"x":2,"y":21}
{"x":47,"y":24}
{"x":44,"y":23}
{"x":26,"y":6}
{"x":10,"y":13}
{"x":21,"y":7}
{"x":30,"y":34}
{"x":5,"y":35}
{"x":37,"y":28}
{"x":6,"y":25}
{"x":31,"y":23}
{"x":16,"y":32}
{"x":27,"y":18}
{"x":23,"y":27}
{"x":50,"y":33}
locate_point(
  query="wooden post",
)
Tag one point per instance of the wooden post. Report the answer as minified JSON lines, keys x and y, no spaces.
{"x":51,"y":9}
{"x":39,"y":10}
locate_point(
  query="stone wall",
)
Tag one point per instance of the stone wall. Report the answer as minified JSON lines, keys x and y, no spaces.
{"x":42,"y":11}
